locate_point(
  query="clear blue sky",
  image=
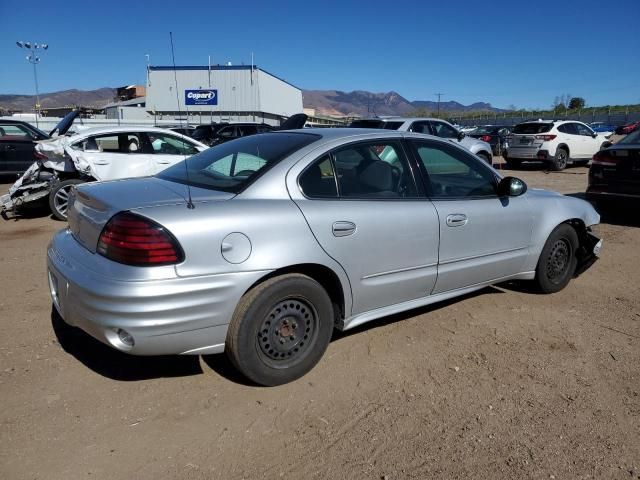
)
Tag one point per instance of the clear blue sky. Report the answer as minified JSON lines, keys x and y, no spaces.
{"x":523,"y":53}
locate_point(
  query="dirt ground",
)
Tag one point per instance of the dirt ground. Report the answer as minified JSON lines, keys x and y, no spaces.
{"x":504,"y":383}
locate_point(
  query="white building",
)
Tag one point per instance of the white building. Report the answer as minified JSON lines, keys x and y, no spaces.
{"x":220,"y":93}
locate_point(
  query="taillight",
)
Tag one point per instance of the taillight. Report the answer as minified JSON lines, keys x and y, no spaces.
{"x":485,"y":138}
{"x":604,"y":158}
{"x":39,"y":156}
{"x":546,"y":138}
{"x":134,"y":240}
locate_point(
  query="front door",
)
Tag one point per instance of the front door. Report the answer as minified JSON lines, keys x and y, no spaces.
{"x":366,"y":212}
{"x":482,"y":237}
{"x":167,"y":149}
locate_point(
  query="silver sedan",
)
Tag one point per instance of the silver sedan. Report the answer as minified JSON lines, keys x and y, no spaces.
{"x":261,"y":246}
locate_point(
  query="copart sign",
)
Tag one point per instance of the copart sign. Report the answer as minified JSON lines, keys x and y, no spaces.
{"x":201,"y":97}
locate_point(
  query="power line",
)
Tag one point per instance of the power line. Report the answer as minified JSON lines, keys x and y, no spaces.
{"x":438,"y":95}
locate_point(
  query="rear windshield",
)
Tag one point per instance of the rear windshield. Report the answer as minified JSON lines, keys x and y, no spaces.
{"x":631,"y":138}
{"x":234,"y":165}
{"x":532,"y":128}
{"x":376,"y":124}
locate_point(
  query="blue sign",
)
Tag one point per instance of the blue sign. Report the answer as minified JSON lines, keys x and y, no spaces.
{"x":201,"y":97}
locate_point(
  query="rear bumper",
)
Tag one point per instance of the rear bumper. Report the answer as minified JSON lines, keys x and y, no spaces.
{"x":163,"y":316}
{"x":522,"y":153}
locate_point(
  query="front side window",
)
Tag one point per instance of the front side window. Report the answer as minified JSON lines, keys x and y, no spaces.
{"x":453,"y":174}
{"x":169,"y":145}
{"x":18,"y":132}
{"x":232,"y":166}
{"x":583,"y":130}
{"x":443,"y":130}
{"x":420,"y":127}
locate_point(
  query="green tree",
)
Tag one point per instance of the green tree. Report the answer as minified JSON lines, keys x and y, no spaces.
{"x":576,"y":103}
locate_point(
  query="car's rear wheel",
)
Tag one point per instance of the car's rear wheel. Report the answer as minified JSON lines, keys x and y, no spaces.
{"x":59,"y":197}
{"x":280,"y":329}
{"x":557,"y":262}
{"x":561,"y":161}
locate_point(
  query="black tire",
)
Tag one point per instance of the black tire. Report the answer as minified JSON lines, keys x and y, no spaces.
{"x":59,"y":195}
{"x":561,"y":161}
{"x":512,"y":163}
{"x":558,"y":261}
{"x":280,"y":329}
{"x":485,"y":156}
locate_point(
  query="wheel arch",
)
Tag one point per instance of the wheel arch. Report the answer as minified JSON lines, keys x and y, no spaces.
{"x":339,"y":293}
{"x":565,"y":147}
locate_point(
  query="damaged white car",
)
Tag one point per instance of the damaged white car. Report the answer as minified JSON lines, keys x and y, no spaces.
{"x":106,"y":153}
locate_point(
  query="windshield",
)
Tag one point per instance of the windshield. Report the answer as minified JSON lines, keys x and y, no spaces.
{"x":532,"y":128}
{"x":234,"y":165}
{"x":631,"y":138}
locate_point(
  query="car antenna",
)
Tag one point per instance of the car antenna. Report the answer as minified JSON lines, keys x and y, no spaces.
{"x":190,"y":204}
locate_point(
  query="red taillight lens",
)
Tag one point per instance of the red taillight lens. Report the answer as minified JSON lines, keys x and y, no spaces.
{"x":546,"y":138}
{"x":485,"y":138}
{"x":134,"y":240}
{"x":39,"y":156}
{"x":604,"y":158}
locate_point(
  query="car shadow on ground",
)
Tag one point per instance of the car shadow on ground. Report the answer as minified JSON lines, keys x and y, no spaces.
{"x":116,"y":365}
{"x":399,"y":317}
{"x":622,"y":213}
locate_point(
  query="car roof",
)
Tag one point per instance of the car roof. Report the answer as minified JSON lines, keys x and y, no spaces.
{"x":399,"y":119}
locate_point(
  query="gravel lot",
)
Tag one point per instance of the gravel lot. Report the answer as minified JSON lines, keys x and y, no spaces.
{"x":504,"y":383}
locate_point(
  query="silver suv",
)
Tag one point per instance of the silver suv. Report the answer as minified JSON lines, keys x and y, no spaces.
{"x":430,"y":126}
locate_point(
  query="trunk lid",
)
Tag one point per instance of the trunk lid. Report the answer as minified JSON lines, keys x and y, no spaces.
{"x":92,"y":205}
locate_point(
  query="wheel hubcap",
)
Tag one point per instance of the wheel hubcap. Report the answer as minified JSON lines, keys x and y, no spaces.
{"x":559,"y":259}
{"x":287,"y":331}
{"x":61,"y":200}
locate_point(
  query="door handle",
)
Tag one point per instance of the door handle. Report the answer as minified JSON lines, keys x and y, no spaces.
{"x":11,"y":147}
{"x":343,"y":229}
{"x":457,"y":220}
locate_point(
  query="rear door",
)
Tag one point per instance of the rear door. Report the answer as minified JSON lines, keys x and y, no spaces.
{"x":482,"y":237}
{"x":365,"y":210}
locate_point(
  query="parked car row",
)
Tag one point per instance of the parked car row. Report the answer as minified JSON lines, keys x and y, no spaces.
{"x":55,"y":165}
{"x":429,"y":126}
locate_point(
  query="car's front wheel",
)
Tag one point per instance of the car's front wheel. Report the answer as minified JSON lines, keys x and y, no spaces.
{"x":280,"y":329}
{"x":557,"y":262}
{"x":59,"y":197}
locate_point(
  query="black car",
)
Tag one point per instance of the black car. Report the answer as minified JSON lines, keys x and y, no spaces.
{"x":494,"y":135}
{"x":17,"y":142}
{"x":615,"y":172}
{"x":187,"y":130}
{"x":216,"y":133}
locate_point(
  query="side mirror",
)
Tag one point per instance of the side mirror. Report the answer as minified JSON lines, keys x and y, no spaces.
{"x":594,"y":134}
{"x":461,"y":135}
{"x":511,"y":187}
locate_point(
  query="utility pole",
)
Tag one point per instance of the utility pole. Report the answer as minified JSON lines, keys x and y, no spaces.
{"x":34,"y":59}
{"x":438,"y":95}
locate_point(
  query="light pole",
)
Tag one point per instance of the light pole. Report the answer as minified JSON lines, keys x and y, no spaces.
{"x":34,"y":59}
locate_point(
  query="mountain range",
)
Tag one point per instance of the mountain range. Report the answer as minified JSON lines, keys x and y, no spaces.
{"x":325,"y":102}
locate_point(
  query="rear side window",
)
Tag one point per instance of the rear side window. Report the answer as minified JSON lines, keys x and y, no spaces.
{"x":18,"y":132}
{"x":369,"y":170}
{"x":532,"y":128}
{"x":319,"y":180}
